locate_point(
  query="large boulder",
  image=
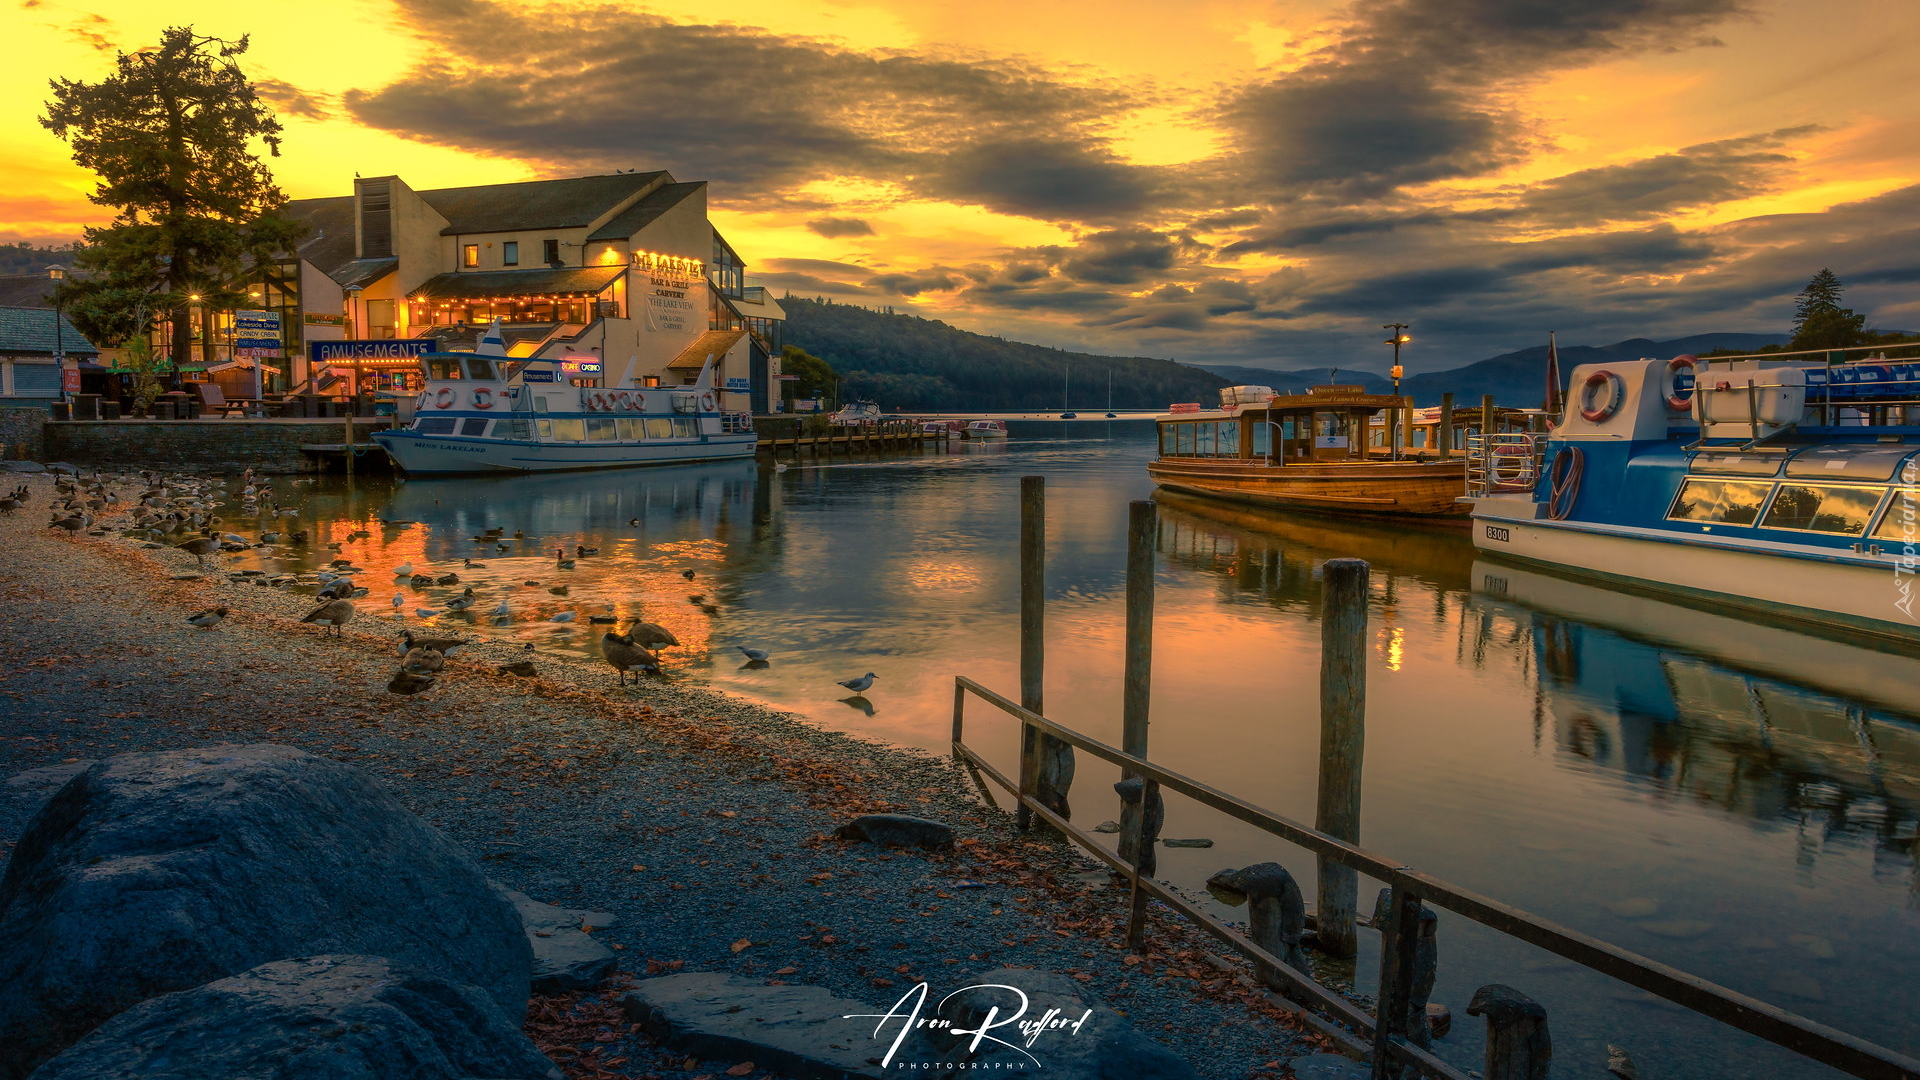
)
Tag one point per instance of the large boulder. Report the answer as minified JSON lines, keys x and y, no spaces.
{"x":310,"y":1018}
{"x":150,"y":873}
{"x":1078,"y":1038}
{"x":802,"y":1032}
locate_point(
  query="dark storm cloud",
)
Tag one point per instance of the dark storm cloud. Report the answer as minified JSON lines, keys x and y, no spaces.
{"x":833,"y":228}
{"x":914,"y":284}
{"x":1636,"y":191}
{"x":1419,"y":90}
{"x":293,"y":101}
{"x":822,"y":266}
{"x":1121,"y":257}
{"x":753,"y":111}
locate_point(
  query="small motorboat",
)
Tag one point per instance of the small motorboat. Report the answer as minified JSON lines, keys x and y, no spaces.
{"x":986,"y":429}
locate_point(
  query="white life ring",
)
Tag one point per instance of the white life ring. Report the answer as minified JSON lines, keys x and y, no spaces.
{"x":626,"y":399}
{"x":1593,"y":409}
{"x":1674,"y":400}
{"x":708,"y":402}
{"x":1511,"y":466}
{"x":482,"y":397}
{"x":597,"y":400}
{"x":444,"y":399}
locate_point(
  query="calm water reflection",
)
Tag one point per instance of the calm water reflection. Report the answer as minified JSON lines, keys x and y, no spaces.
{"x":1735,"y":799}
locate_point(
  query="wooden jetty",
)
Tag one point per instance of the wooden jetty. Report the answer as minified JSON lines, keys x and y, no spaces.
{"x":847,"y":441}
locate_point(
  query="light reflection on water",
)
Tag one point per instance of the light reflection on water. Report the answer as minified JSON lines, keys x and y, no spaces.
{"x":1737,"y":800}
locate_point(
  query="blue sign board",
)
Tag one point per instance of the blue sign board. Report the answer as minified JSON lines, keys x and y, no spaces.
{"x":537,"y":375}
{"x":340,"y":352}
{"x":739,"y":384}
{"x":256,"y":330}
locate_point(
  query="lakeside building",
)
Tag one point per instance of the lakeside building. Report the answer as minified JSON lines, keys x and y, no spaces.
{"x":33,"y":340}
{"x":620,"y":277}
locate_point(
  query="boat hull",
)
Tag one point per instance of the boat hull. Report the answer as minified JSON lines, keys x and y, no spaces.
{"x":1428,"y":489}
{"x":1854,"y":593}
{"x":444,"y":455}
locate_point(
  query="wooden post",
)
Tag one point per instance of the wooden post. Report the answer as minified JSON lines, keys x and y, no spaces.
{"x":1407,"y":428}
{"x":1486,"y":423}
{"x":1143,"y":529}
{"x":1343,"y":710}
{"x":1446,"y":425}
{"x":1518,"y":1047}
{"x":349,"y":440}
{"x":1400,"y":927}
{"x":1276,"y":917}
{"x":1033,"y":609}
{"x":1426,"y":959}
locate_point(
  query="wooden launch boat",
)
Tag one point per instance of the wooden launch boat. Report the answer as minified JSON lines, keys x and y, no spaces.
{"x":1305,"y":452}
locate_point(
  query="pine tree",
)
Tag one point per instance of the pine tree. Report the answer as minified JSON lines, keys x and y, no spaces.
{"x":171,"y":136}
{"x":1819,"y":322}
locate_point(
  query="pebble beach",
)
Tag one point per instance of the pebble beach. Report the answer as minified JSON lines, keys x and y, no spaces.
{"x":703,"y":822}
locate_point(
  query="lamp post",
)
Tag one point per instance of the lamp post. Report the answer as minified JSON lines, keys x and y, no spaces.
{"x":1398,"y":339}
{"x":58,"y":274}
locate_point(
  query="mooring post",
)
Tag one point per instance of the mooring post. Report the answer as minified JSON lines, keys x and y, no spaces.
{"x":1426,"y":959}
{"x":1343,"y":712}
{"x":1033,"y":650}
{"x":1276,"y":918}
{"x":348,"y":443}
{"x":1518,"y":1047}
{"x":1141,"y":814}
{"x":1446,"y":425}
{"x":1400,"y":928}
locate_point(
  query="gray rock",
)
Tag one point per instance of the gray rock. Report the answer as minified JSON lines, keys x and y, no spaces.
{"x":796,"y":1031}
{"x":156,"y":872}
{"x":1328,"y":1067}
{"x":1107,"y":827}
{"x":1193,"y":842}
{"x":22,"y":466}
{"x":898,"y":830}
{"x":43,"y":782}
{"x":564,"y":956}
{"x":332,"y":1017}
{"x":1083,"y":1040}
{"x":63,"y":467}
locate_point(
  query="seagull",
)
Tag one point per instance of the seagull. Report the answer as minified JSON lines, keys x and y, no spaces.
{"x":399,"y":601}
{"x":565,"y":616}
{"x":859,"y":685}
{"x":621,"y":651}
{"x":758,"y":656}
{"x":503,"y":610}
{"x":403,"y":569}
{"x":425,"y":612}
{"x":333,"y":615}
{"x":208,"y":619}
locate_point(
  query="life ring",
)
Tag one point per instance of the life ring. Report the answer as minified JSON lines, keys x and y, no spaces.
{"x":1674,"y":400}
{"x":1592,"y":410}
{"x":444,"y":399}
{"x":597,"y":400}
{"x":626,"y":399}
{"x":708,"y":403}
{"x":1521,"y":460}
{"x":482,"y":397}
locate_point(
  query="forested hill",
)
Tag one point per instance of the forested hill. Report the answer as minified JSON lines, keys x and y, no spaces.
{"x":906,"y":362}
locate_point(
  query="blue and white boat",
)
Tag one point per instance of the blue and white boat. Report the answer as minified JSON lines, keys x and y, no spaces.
{"x":487,"y":412}
{"x":1784,"y":484}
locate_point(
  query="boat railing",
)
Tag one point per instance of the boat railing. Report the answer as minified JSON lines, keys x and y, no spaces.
{"x":736,"y":423}
{"x":1505,"y":462}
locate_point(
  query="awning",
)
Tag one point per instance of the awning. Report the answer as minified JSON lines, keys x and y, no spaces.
{"x":497,"y":284}
{"x":714,"y":343}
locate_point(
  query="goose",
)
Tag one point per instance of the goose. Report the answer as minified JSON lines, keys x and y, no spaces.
{"x":200,"y":547}
{"x":758,"y":656}
{"x":403,"y":570}
{"x":407,"y":684}
{"x":652,"y":635}
{"x":423,"y":661}
{"x":333,"y":615}
{"x":74,"y":525}
{"x":339,"y":588}
{"x":560,"y":559}
{"x":583,"y":550}
{"x":522,"y":668}
{"x":687,"y":573}
{"x":859,"y":685}
{"x":208,"y":619}
{"x":442,"y":645}
{"x":621,"y":651}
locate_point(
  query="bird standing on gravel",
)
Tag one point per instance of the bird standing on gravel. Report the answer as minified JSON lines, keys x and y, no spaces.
{"x":200,"y":547}
{"x":859,"y":685}
{"x":333,"y":615}
{"x":408,"y":684}
{"x":624,"y":654}
{"x":652,"y":635}
{"x":208,"y":619}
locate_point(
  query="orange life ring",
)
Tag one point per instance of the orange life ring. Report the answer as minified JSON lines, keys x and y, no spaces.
{"x":1674,"y":400}
{"x":482,"y":397}
{"x":597,"y":400}
{"x":444,"y":399}
{"x":626,"y":399}
{"x":708,"y":402}
{"x":1591,"y":409}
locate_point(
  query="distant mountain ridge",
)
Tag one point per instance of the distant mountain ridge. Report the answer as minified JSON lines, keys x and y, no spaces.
{"x":1517,"y":378}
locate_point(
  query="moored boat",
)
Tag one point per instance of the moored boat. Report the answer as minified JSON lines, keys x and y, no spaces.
{"x":986,"y":429}
{"x":1305,"y":452}
{"x":1781,"y":484}
{"x":486,"y":412}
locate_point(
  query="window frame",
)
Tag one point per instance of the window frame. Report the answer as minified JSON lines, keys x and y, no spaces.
{"x":1866,"y":524}
{"x":469,"y":256}
{"x":510,"y":253}
{"x":1759,"y":514}
{"x":550,"y":247}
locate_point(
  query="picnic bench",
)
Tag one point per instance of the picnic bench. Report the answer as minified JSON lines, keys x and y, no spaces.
{"x":214,"y":399}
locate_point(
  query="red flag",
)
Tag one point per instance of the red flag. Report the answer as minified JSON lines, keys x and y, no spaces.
{"x":1553,"y":379}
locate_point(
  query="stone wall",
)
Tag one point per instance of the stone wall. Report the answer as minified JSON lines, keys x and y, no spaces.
{"x":21,"y":431}
{"x":269,"y":446}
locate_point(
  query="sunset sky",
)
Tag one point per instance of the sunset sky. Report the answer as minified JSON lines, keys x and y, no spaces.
{"x":1228,"y":182}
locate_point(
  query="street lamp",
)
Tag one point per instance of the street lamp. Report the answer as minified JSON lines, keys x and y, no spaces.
{"x":1394,"y":435}
{"x":58,"y":274}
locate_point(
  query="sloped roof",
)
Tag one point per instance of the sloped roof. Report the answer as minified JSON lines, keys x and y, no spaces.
{"x":641,"y":214}
{"x":484,"y":283}
{"x":31,"y":330}
{"x":363,"y":272}
{"x":329,"y":241}
{"x":568,"y":203}
{"x":25,"y":290}
{"x":711,"y":343}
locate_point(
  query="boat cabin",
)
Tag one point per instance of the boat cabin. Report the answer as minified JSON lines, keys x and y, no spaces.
{"x":1325,"y":424}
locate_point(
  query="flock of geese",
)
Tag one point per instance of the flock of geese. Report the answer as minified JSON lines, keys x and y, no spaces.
{"x":164,"y":507}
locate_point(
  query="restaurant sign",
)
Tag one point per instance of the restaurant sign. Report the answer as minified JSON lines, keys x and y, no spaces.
{"x":256,"y":330}
{"x":347,"y":352}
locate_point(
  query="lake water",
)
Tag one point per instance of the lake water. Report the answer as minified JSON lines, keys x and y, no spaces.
{"x":1735,"y":799}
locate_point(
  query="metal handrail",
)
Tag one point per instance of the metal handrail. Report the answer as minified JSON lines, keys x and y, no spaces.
{"x":1410,"y":888}
{"x":1528,"y":453}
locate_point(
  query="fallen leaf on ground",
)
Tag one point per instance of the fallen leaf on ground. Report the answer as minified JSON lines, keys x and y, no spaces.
{"x":737,"y":946}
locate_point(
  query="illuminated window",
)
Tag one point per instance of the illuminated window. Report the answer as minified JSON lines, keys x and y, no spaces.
{"x":569,"y":430}
{"x":1901,"y":522}
{"x":660,"y":427}
{"x":652,"y":380}
{"x":470,"y":255}
{"x":1822,"y":509}
{"x":1732,"y":502}
{"x":632,"y":429}
{"x":510,"y":253}
{"x":602,"y":429}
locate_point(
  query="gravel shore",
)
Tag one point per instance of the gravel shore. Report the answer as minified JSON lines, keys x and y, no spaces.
{"x":704,"y":822}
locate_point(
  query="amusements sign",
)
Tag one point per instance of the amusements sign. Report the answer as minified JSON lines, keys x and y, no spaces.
{"x":346,"y":352}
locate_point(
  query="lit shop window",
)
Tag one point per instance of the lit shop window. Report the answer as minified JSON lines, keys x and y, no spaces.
{"x":470,"y":255}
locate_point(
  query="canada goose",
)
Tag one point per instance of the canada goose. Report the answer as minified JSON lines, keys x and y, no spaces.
{"x":200,"y":547}
{"x":560,"y":559}
{"x":688,"y":574}
{"x":407,"y":684}
{"x":208,"y":619}
{"x":419,"y":661}
{"x":8,"y":506}
{"x":758,"y":656}
{"x":333,"y":615}
{"x":621,"y":651}
{"x":74,"y":525}
{"x":442,"y":645}
{"x":522,"y":668}
{"x":859,"y":685}
{"x":652,"y":635}
{"x":338,"y":589}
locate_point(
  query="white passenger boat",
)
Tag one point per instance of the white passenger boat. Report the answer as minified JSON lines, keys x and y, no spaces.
{"x":486,"y":412}
{"x":986,"y":429}
{"x":1779,"y":484}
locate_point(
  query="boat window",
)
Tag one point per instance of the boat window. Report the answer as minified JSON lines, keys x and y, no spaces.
{"x":1262,"y":438}
{"x":659,"y":427}
{"x":686,"y":427}
{"x":448,"y":368}
{"x":539,"y":403}
{"x":1330,"y":430}
{"x":1203,"y":440}
{"x":1823,"y":509}
{"x":1901,"y":522}
{"x":1182,"y":439}
{"x":510,"y":429}
{"x":546,"y":428}
{"x":632,"y":428}
{"x":1857,"y":462}
{"x":569,"y":430}
{"x":480,"y":369}
{"x":1735,"y":502}
{"x":434,"y":425}
{"x":601,"y":429}
{"x":1226,"y":442}
{"x":474,"y":425}
{"x":1708,"y":461}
